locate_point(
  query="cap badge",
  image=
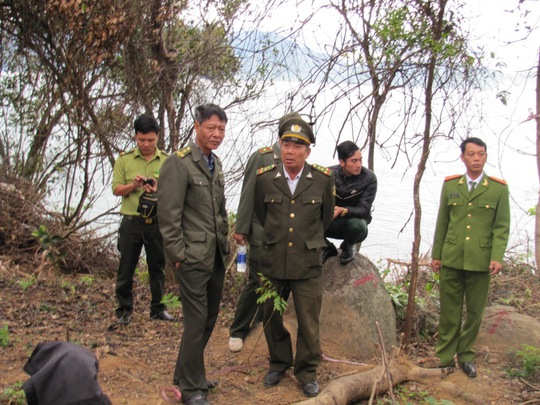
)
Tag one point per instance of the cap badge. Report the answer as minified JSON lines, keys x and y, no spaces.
{"x":296,"y":128}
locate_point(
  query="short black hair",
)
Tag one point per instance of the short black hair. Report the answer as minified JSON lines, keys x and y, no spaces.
{"x":145,"y":124}
{"x":476,"y":141}
{"x":205,"y":111}
{"x":346,"y":149}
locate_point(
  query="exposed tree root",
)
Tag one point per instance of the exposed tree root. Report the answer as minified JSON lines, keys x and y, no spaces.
{"x":360,"y":386}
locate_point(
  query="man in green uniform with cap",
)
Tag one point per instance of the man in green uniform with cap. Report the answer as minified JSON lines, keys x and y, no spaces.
{"x":470,"y":239}
{"x":136,"y":172}
{"x":294,"y":202}
{"x":249,"y":229}
{"x":194,"y":225}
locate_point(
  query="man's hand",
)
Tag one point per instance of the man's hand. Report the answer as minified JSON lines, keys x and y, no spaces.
{"x":240,"y":238}
{"x":494,"y":267}
{"x":340,"y":211}
{"x":436,"y":265}
{"x":138,"y":181}
{"x":150,"y":187}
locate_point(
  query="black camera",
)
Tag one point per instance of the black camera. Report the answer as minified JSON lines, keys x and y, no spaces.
{"x":151,"y":182}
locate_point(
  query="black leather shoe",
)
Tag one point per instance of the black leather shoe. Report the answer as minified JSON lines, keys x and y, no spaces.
{"x":162,"y":315}
{"x":273,"y":378}
{"x":347,"y":255}
{"x":328,"y":252}
{"x":311,"y":389}
{"x":125,"y":319}
{"x":197,"y":400}
{"x":468,"y":368}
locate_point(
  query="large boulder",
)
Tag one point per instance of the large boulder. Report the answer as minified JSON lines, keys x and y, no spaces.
{"x":354,"y":298}
{"x":504,"y":330}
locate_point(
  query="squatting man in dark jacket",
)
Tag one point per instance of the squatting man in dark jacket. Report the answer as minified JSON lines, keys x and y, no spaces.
{"x":356,"y":187}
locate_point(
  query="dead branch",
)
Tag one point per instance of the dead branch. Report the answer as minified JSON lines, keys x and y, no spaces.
{"x":358,"y":386}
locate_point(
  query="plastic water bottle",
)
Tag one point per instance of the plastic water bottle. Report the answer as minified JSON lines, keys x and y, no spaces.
{"x":241,"y":256}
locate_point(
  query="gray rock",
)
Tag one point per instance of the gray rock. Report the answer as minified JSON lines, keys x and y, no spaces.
{"x":354,"y":298}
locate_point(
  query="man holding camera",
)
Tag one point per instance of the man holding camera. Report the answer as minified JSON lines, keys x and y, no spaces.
{"x":135,"y":180}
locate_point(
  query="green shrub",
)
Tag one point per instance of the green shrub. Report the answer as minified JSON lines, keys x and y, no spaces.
{"x":4,"y":336}
{"x":528,"y":362}
{"x":13,"y":395}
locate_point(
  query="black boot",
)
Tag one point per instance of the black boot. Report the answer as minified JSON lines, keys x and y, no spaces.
{"x":347,"y":254}
{"x":328,"y":252}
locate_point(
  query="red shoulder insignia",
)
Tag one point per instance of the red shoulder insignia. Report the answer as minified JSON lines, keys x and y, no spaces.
{"x":266,"y":149}
{"x":453,"y":177}
{"x":498,"y":180}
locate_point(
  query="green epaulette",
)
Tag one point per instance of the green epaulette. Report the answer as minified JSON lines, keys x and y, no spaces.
{"x":123,"y":153}
{"x":266,"y":149}
{"x":183,"y":152}
{"x":453,"y":177}
{"x":324,"y":170}
{"x":265,"y":169}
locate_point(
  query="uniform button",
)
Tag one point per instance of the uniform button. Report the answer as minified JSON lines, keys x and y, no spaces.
{"x":272,"y":201}
{"x":487,"y":205}
{"x":293,"y":202}
{"x":292,"y":215}
{"x":290,"y":244}
{"x":470,"y":204}
{"x":467,"y":238}
{"x":468,"y":227}
{"x":313,"y":201}
{"x":291,"y":230}
{"x":455,"y":204}
{"x":469,"y":215}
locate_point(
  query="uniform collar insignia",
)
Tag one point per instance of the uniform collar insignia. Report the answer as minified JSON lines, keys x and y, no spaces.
{"x":309,"y":176}
{"x":485,"y":182}
{"x":278,"y":174}
{"x":354,"y":191}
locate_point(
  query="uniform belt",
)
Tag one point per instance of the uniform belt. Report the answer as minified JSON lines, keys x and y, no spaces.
{"x":141,"y":220}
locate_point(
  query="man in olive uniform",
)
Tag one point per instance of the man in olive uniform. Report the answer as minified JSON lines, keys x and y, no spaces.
{"x":470,"y":239}
{"x":294,"y":202}
{"x":194,"y":225}
{"x":249,"y":229}
{"x":136,"y":172}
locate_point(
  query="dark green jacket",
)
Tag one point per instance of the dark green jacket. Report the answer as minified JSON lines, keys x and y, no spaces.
{"x":472,"y":229}
{"x":294,"y":225}
{"x":192,"y":216}
{"x":246,"y":220}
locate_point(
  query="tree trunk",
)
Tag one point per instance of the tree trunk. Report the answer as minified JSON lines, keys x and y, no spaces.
{"x":537,"y":214}
{"x":428,"y":97}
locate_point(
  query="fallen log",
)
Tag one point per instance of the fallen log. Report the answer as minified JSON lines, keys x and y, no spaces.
{"x":360,"y":386}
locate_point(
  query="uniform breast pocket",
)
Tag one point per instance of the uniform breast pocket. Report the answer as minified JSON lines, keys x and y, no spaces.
{"x":199,"y":186}
{"x":486,"y":209}
{"x":455,"y":206}
{"x":271,"y":199}
{"x":311,"y":205}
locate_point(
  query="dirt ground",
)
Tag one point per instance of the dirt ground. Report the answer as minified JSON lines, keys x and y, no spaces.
{"x":137,"y":361}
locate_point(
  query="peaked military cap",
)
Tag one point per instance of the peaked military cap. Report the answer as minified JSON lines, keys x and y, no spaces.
{"x":287,"y":117}
{"x":295,"y":129}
